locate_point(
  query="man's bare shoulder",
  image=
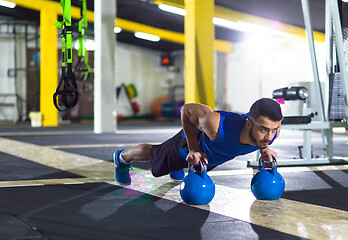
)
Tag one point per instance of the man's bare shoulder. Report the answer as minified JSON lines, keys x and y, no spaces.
{"x":210,"y":124}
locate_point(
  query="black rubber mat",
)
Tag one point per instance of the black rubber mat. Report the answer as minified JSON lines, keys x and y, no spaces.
{"x":14,"y":168}
{"x":333,"y":192}
{"x":102,"y":153}
{"x":77,"y":139}
{"x":327,"y":188}
{"x":13,"y":227}
{"x":102,"y":211}
{"x":27,"y":128}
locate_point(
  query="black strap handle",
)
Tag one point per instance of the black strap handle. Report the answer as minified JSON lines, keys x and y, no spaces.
{"x":81,"y":70}
{"x":66,"y":91}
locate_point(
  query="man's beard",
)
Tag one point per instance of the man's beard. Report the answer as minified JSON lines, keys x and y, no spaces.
{"x":253,"y":139}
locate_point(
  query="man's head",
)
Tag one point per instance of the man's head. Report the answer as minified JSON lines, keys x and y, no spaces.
{"x":265,"y":107}
{"x":264,"y":121}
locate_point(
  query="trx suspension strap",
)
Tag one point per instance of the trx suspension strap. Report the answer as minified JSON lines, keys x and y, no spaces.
{"x":82,"y":69}
{"x":67,"y":88}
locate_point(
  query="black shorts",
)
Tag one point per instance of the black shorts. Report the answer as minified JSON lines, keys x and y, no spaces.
{"x":165,"y":157}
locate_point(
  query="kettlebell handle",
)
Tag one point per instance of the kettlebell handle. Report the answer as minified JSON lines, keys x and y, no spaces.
{"x":203,"y":166}
{"x":268,"y":165}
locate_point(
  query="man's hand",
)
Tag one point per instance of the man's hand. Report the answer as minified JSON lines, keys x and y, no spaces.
{"x":194,"y":157}
{"x":266,"y":154}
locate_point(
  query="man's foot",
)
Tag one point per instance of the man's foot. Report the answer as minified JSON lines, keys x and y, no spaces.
{"x":177,"y":176}
{"x":121,"y":169}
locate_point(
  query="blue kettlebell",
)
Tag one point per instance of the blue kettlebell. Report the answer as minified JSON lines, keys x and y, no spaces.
{"x":267,"y":184}
{"x":197,"y":188}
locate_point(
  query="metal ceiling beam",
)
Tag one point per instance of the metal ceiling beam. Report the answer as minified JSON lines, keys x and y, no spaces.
{"x":176,"y":3}
{"x":171,"y":36}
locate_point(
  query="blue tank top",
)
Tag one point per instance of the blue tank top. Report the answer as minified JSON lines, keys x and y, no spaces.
{"x":227,"y":146}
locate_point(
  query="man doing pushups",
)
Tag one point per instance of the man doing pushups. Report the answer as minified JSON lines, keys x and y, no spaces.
{"x":213,"y":136}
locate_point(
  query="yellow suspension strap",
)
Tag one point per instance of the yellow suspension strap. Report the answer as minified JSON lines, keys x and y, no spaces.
{"x":66,"y":91}
{"x":82,"y":69}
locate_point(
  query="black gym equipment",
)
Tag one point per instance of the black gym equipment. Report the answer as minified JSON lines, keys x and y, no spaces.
{"x":292,"y":94}
{"x":66,"y":90}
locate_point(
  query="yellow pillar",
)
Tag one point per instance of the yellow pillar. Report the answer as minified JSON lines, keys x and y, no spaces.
{"x":48,"y":66}
{"x":199,"y":52}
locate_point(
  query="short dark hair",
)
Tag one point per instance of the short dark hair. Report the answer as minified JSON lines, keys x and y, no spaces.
{"x":266,"y":107}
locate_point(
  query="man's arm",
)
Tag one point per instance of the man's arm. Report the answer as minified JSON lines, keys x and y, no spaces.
{"x":199,"y":116}
{"x":267,"y":153}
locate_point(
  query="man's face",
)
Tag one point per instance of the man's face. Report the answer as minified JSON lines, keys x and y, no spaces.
{"x":262,"y":131}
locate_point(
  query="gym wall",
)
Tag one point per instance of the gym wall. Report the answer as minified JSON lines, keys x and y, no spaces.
{"x":253,"y":70}
{"x":257,"y":67}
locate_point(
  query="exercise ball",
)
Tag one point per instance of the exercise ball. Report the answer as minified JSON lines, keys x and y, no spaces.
{"x":197,"y":188}
{"x":157,"y":105}
{"x":171,"y":109}
{"x":267,"y":184}
{"x":167,"y":109}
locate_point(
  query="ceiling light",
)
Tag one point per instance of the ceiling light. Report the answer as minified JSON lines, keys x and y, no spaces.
{"x":171,"y":9}
{"x":7,"y":4}
{"x":227,"y":24}
{"x":88,"y":44}
{"x":238,"y":26}
{"x":117,"y":29}
{"x":247,"y":27}
{"x":254,"y":28}
{"x":147,"y":36}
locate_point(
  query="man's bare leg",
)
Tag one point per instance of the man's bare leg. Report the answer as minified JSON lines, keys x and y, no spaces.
{"x":138,"y":153}
{"x":123,"y":158}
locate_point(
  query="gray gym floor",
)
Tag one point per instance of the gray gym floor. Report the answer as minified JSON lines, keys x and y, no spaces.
{"x":58,"y":183}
